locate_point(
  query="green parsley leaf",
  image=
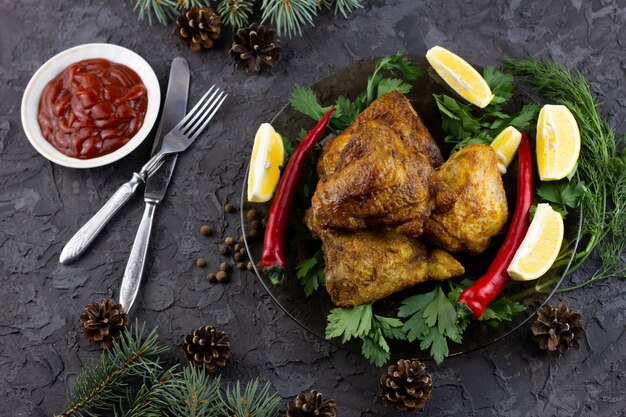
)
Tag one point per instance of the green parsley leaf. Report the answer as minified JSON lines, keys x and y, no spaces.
{"x":347,"y":111}
{"x":501,"y":310}
{"x":348,"y":323}
{"x":432,"y":319}
{"x":393,"y":65}
{"x":388,"y":85}
{"x":304,"y":100}
{"x":310,"y":272}
{"x":563,"y":194}
{"x":375,"y":349}
{"x":501,"y":86}
{"x":359,"y":322}
{"x":390,"y":327}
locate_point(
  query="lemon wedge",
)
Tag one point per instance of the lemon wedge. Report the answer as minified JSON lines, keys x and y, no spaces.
{"x":460,"y":76}
{"x":558,"y":142}
{"x":505,"y":145}
{"x":540,"y":246}
{"x":267,"y":157}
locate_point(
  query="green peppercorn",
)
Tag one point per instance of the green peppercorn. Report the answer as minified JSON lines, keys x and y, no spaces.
{"x":206,"y":230}
{"x":221,"y":276}
{"x":201,"y":262}
{"x":225,"y":266}
{"x":229,"y":208}
{"x":230,"y":241}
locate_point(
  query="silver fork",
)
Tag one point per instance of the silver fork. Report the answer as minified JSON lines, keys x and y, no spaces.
{"x":176,"y":140}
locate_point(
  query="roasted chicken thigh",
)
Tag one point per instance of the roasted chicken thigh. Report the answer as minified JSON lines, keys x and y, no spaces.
{"x":366,"y":265}
{"x":480,"y":209}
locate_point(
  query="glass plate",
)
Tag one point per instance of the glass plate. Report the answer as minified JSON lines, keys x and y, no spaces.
{"x":310,"y":312}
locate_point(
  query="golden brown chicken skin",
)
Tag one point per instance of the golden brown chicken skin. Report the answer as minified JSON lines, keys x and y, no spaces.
{"x":378,"y":182}
{"x":480,"y":209}
{"x":365,"y":266}
{"x":394,"y":111}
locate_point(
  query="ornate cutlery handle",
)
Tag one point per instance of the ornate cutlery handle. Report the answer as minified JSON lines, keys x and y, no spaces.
{"x":86,"y":234}
{"x":137,"y":258}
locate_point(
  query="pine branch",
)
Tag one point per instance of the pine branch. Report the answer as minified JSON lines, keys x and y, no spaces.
{"x":289,"y":15}
{"x":193,"y":393}
{"x":164,"y":10}
{"x":346,"y":6}
{"x":235,"y":13}
{"x":106,"y":382}
{"x":150,"y":400}
{"x":253,"y":402}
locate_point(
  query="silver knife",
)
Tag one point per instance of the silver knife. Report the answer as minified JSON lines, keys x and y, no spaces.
{"x":156,"y":185}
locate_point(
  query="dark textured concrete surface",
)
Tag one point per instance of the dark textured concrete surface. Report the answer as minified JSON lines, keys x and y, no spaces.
{"x":41,"y":205}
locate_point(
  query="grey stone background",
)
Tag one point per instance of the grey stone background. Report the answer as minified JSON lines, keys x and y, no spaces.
{"x":41,"y":205}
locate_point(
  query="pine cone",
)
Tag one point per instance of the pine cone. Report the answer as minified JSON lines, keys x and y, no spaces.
{"x":103,"y":321}
{"x":311,"y":404}
{"x":207,"y":347}
{"x":406,"y":386}
{"x":255,"y":49}
{"x":557,"y":327}
{"x":198,"y":27}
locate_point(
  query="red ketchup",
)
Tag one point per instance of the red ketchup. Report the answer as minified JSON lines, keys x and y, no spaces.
{"x":92,"y":108}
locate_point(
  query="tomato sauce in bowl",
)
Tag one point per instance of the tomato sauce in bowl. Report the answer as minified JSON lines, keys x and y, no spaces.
{"x":92,"y":108}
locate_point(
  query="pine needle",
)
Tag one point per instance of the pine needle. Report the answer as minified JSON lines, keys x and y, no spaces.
{"x":346,"y":6}
{"x":289,"y":15}
{"x":235,"y":13}
{"x":194,"y":393}
{"x":164,"y":10}
{"x":253,"y":402}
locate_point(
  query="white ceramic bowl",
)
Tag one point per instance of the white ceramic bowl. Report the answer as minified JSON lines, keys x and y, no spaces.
{"x":54,"y":66}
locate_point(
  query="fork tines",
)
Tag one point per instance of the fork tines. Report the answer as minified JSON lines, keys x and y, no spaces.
{"x":201,"y":114}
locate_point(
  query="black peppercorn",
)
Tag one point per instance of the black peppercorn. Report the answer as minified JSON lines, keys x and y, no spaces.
{"x":225,"y":266}
{"x":243,"y":251}
{"x":237,"y":247}
{"x":238,"y":257}
{"x":210,"y":277}
{"x":229,"y":208}
{"x":230,"y":241}
{"x":221,"y":276}
{"x":251,"y":214}
{"x":206,"y":230}
{"x":256,"y":224}
{"x":201,"y":262}
{"x":241,"y":266}
{"x":224,"y":249}
{"x":253,"y":233}
{"x":249,"y":266}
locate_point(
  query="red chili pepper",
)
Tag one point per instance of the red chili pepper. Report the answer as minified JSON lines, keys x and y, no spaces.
{"x":273,"y":261}
{"x":486,"y":288}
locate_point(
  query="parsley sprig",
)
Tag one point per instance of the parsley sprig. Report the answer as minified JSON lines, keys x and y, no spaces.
{"x":465,"y":123}
{"x":384,"y":79}
{"x":361,"y":323}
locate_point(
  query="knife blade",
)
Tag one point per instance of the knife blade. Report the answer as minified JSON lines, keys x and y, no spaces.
{"x":156,"y":184}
